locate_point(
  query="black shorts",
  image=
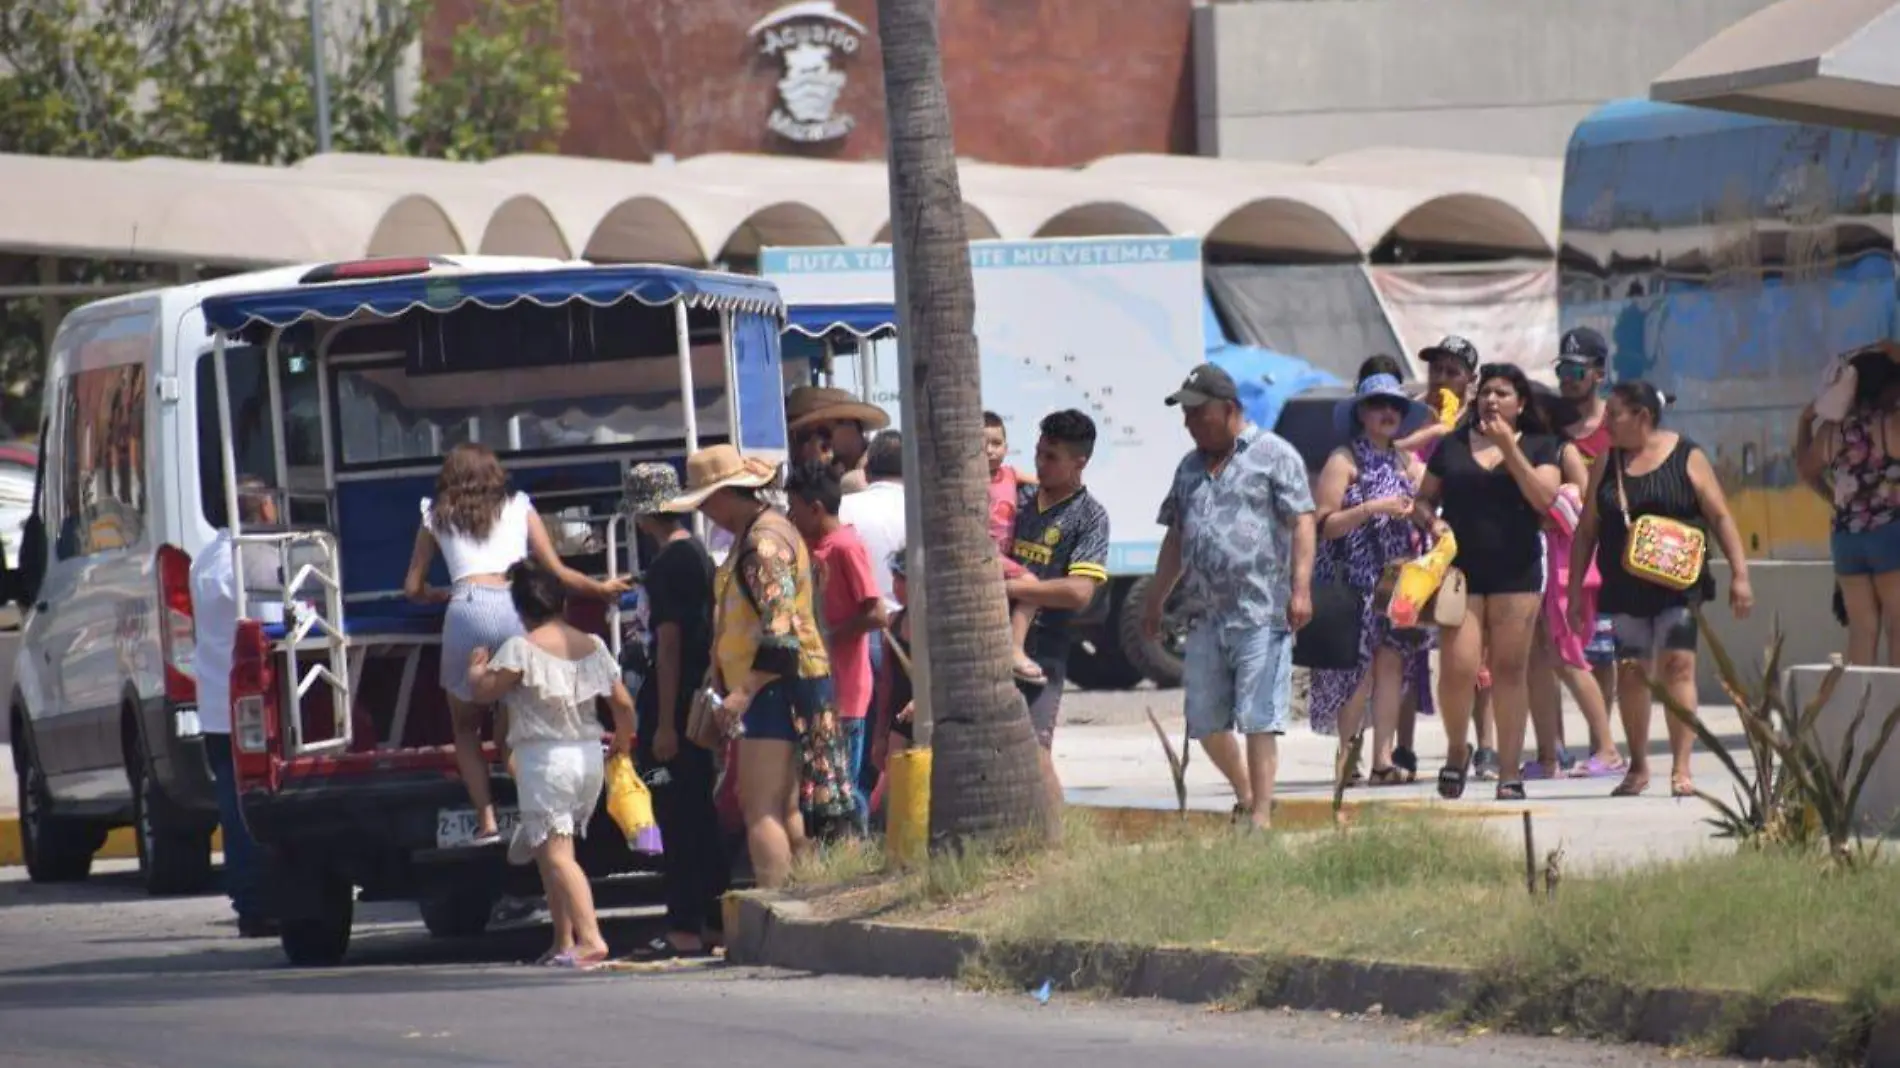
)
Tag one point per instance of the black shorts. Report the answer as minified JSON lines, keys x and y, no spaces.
{"x":1489,"y":575}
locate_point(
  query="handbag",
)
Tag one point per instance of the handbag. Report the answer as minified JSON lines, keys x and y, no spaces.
{"x":703,"y":727}
{"x":1330,"y":641}
{"x":1662,"y":551}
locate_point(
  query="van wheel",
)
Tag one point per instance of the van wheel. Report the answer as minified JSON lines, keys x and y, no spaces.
{"x":1159,"y":660}
{"x":461,"y":912}
{"x":174,"y":851}
{"x":321,"y":936}
{"x":57,"y":849}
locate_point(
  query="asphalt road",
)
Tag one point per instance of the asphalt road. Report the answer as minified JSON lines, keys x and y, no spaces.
{"x":99,"y":975}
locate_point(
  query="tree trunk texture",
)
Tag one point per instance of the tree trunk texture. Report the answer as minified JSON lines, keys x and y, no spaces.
{"x":985,"y":777}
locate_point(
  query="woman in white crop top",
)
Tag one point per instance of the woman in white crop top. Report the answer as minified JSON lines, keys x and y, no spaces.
{"x":482,"y":528}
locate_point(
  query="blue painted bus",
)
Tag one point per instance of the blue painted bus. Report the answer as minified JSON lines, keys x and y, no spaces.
{"x":1727,"y":258}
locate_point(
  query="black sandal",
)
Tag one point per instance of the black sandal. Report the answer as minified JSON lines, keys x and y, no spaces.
{"x":1510,"y":791}
{"x":1451,"y":779}
{"x":1407,"y":761}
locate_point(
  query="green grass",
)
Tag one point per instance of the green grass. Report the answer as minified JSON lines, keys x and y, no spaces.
{"x":1448,"y":893}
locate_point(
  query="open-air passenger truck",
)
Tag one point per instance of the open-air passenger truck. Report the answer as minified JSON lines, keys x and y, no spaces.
{"x":570,"y":373}
{"x":837,"y":341}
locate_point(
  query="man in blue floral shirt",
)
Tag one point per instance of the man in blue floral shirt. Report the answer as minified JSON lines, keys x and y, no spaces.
{"x":1241,"y":538}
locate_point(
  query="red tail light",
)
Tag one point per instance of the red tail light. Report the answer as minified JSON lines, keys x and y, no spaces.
{"x":176,"y":631}
{"x":253,"y":702}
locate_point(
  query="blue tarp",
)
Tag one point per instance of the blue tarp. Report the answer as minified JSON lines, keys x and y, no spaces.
{"x":859,"y":320}
{"x":439,"y":292}
{"x":1266,"y":379}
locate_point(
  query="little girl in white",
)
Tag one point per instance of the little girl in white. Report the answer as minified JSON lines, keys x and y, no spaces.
{"x":548,"y":682}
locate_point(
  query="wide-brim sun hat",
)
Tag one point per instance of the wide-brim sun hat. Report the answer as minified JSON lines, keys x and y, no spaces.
{"x":808,"y":406}
{"x":718,"y":467}
{"x":1346,"y":412}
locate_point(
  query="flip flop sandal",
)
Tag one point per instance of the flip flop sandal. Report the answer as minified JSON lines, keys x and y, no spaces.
{"x":659,"y":949}
{"x":1510,"y":791}
{"x":1387,"y":776}
{"x":572,"y":961}
{"x":1028,"y":673}
{"x":483,"y":841}
{"x":1631,"y":786}
{"x":1682,"y":788}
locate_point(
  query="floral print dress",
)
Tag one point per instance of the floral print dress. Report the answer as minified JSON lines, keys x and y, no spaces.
{"x":1357,"y":560}
{"x":1865,"y":478}
{"x":767,"y":621}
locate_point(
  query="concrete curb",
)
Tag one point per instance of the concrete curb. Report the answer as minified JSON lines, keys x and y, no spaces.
{"x":774,"y":932}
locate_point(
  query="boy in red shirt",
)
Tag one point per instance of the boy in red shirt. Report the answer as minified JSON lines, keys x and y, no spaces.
{"x":850,"y":604}
{"x":1005,"y":482}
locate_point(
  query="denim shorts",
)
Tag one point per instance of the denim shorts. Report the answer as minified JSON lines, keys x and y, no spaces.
{"x":1238,"y":679}
{"x":769,"y":717}
{"x":1870,"y":552}
{"x":1647,"y":637}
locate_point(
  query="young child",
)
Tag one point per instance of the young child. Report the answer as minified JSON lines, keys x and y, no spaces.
{"x":851,"y":604}
{"x":1004,"y":481}
{"x":548,"y":681}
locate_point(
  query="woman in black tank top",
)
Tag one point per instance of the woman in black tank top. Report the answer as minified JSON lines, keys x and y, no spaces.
{"x":1652,"y":472}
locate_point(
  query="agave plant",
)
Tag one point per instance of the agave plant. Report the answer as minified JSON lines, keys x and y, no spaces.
{"x":1792,"y":794}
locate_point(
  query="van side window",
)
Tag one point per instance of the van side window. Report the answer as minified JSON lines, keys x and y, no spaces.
{"x":253,"y":438}
{"x":102,"y":458}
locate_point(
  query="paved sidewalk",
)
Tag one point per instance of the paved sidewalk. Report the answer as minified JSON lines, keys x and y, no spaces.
{"x":1115,"y":759}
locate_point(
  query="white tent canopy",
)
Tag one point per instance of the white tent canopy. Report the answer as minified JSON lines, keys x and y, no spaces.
{"x":727,"y":206}
{"x":1830,"y":62}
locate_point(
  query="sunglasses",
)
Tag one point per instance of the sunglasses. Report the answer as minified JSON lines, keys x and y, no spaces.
{"x":1574,"y":372}
{"x":1383,"y":404}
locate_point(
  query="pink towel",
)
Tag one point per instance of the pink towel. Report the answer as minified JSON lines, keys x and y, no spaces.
{"x":1564,"y":514}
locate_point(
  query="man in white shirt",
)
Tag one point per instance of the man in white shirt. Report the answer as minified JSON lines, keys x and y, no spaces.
{"x":877,"y":513}
{"x":214,"y":612}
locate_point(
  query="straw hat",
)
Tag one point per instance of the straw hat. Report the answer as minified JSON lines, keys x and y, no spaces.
{"x":808,"y":405}
{"x":720,"y":467}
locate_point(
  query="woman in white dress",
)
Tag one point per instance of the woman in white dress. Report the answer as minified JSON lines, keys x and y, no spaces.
{"x":549,"y":681}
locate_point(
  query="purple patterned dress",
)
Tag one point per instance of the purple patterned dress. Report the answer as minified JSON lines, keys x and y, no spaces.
{"x":1357,"y":560}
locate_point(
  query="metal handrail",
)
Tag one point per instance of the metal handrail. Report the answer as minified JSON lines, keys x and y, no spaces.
{"x":304,"y":618}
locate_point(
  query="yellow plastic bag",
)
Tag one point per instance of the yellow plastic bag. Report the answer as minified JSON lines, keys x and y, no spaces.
{"x":1447,"y":406}
{"x":628,"y":800}
{"x":1419,"y":579}
{"x":907,"y":806}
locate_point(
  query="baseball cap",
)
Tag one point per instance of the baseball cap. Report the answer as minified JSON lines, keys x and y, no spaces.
{"x":1205,"y":383}
{"x":1583,"y":345}
{"x":1454,"y":346}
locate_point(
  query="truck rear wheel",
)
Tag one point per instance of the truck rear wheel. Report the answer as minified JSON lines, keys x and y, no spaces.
{"x":460,"y":912}
{"x":319,"y":935}
{"x":1158,"y":660}
{"x":1096,"y":663}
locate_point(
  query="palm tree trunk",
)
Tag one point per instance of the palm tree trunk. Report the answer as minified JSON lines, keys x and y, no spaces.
{"x":985,"y":776}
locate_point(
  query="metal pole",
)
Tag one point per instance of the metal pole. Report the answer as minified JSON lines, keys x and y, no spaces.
{"x":232,"y":521}
{"x":319,"y":82}
{"x":690,"y":415}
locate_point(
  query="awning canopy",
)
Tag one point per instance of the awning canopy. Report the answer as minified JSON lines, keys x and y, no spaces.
{"x":1828,"y":62}
{"x":447,"y":290}
{"x":866,"y":321}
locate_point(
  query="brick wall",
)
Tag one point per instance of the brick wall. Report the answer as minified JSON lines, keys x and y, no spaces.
{"x":1033,"y":82}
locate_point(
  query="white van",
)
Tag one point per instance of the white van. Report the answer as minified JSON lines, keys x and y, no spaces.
{"x":103,"y":712}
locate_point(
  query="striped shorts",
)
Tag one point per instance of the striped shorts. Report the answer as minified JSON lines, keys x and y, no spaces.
{"x":479,"y":617}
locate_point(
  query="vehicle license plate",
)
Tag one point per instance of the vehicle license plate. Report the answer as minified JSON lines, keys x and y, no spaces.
{"x":456,"y":826}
